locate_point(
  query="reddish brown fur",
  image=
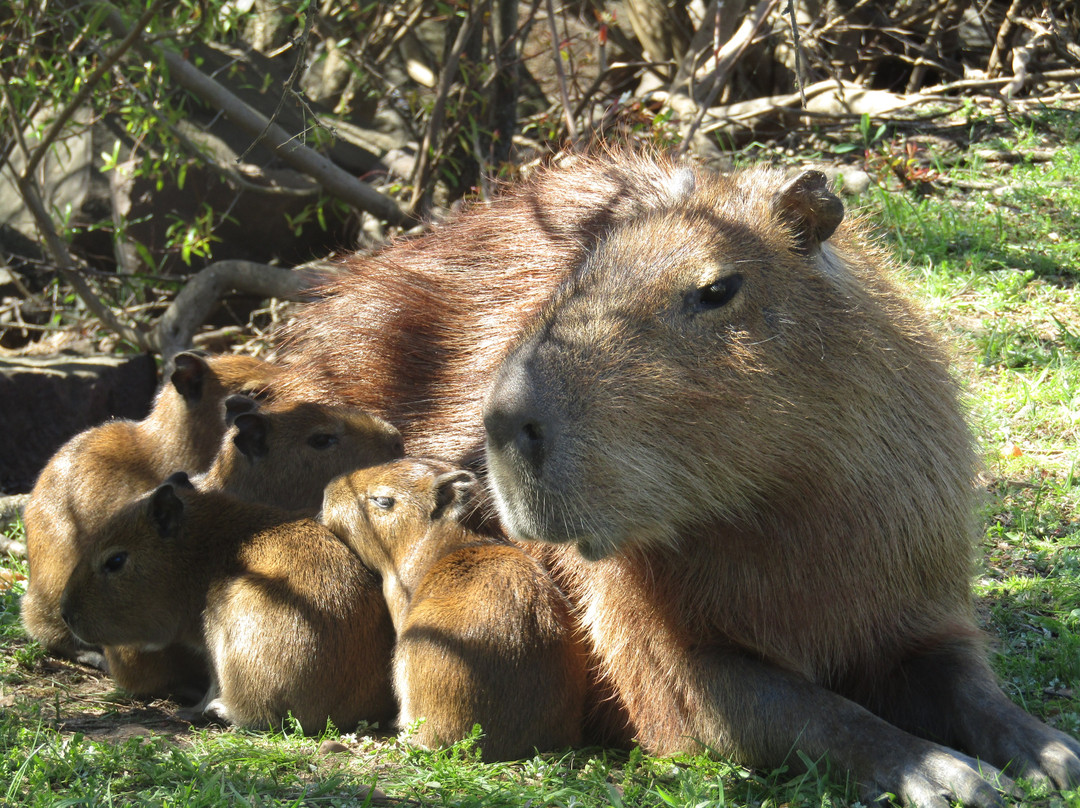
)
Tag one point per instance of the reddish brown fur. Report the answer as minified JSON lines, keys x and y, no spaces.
{"x":108,"y":465}
{"x":483,"y":634}
{"x":301,"y":446}
{"x":288,"y":617}
{"x":776,"y":483}
{"x":414,"y":333}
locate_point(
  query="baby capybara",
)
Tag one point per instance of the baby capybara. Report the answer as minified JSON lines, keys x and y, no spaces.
{"x":483,"y":635}
{"x":105,"y":466}
{"x":289,"y":619}
{"x":283,"y":454}
{"x":741,"y":443}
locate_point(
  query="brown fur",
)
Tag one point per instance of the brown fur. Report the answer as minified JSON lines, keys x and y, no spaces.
{"x":105,"y":466}
{"x":282,"y":454}
{"x":775,"y":484}
{"x":285,"y":453}
{"x":288,"y":617}
{"x":483,"y":634}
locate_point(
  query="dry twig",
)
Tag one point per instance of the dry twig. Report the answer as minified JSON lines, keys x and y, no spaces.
{"x":423,"y":168}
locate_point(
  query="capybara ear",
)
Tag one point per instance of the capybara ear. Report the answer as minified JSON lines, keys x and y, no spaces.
{"x":166,"y":511}
{"x":237,"y":404}
{"x":251,"y":431}
{"x":453,"y":492}
{"x":808,"y":206}
{"x":180,"y":479}
{"x":189,"y":370}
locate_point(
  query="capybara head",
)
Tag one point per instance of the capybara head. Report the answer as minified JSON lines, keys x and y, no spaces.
{"x":189,"y":405}
{"x":129,"y":590}
{"x":386,"y":512}
{"x":285,"y":453}
{"x":714,"y":358}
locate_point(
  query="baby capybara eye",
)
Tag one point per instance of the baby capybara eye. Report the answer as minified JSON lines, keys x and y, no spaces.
{"x":322,"y":441}
{"x":115,"y":563}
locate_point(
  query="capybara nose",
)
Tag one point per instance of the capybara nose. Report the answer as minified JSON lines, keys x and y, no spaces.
{"x":513,"y":420}
{"x":516,"y":431}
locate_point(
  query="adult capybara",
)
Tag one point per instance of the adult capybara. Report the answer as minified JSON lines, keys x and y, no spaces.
{"x":483,"y":635}
{"x":284,"y":453}
{"x":289,"y":619}
{"x":743,"y":442}
{"x":107,"y":465}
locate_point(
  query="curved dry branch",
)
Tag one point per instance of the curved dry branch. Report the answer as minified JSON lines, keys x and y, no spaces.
{"x":174,"y":331}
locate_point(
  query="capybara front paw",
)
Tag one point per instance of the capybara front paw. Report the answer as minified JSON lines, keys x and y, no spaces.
{"x":1056,"y":762}
{"x":940,"y":778}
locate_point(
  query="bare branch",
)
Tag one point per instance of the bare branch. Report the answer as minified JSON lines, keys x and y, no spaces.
{"x":174,"y":331}
{"x":725,"y":60}
{"x":1001,"y":43}
{"x":800,"y":57}
{"x":571,"y":127}
{"x":298,"y":65}
{"x":333,"y":178}
{"x":438,"y":110}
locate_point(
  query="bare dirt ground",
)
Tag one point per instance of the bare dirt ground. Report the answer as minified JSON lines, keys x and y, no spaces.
{"x":78,"y":699}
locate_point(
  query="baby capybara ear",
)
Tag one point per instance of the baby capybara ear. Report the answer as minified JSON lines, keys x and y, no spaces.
{"x":189,"y":371}
{"x":453,"y":493}
{"x":166,"y":510}
{"x":810,"y":209}
{"x":180,"y":479}
{"x":251,"y":431}
{"x":237,"y":404}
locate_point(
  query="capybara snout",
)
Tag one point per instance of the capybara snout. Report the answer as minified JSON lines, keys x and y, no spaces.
{"x":518,"y":418}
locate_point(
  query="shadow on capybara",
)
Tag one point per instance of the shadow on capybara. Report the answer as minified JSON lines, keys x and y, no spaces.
{"x":288,"y":617}
{"x":105,"y":466}
{"x":281,"y":453}
{"x":740,"y":443}
{"x":483,"y":635}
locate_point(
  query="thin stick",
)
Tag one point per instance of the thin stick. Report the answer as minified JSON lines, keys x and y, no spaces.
{"x":800,"y":62}
{"x":571,"y":127}
{"x":298,"y":67}
{"x":438,"y":110}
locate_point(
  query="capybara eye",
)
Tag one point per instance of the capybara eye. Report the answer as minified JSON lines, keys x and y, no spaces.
{"x":115,"y":563}
{"x":385,"y":503}
{"x":322,"y":441}
{"x":720,"y":292}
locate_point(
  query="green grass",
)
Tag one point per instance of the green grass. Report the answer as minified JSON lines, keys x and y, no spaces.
{"x":999,"y":272}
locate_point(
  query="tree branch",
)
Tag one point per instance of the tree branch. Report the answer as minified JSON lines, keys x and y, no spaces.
{"x":438,"y":110}
{"x":337,"y":182}
{"x":571,"y":126}
{"x":175,"y":329}
{"x":725,"y":61}
{"x":89,"y":85}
